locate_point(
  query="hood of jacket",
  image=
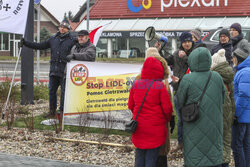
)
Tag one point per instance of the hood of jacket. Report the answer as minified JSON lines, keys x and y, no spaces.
{"x":226,"y":72}
{"x":200,"y":60}
{"x":152,"y":69}
{"x":245,"y":63}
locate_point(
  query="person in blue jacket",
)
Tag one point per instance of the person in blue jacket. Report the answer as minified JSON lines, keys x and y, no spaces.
{"x":241,"y":127}
{"x":60,"y":45}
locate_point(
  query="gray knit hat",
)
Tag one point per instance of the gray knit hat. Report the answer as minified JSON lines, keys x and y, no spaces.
{"x":243,"y":54}
{"x":197,"y":33}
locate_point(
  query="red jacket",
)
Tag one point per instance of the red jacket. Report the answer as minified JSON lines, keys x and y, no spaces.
{"x":151,"y":130}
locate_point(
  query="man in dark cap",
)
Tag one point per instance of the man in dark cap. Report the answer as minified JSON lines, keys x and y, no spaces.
{"x":84,"y":50}
{"x":241,"y":128}
{"x":237,"y":38}
{"x":224,"y":43}
{"x":60,"y":44}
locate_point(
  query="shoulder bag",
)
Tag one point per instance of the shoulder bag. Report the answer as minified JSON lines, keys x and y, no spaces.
{"x":130,"y":127}
{"x":190,"y":112}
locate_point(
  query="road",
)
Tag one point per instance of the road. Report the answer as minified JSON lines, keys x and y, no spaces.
{"x":7,"y":69}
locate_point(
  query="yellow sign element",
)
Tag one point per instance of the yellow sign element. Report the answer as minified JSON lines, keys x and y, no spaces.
{"x":148,"y":5}
{"x":98,"y":94}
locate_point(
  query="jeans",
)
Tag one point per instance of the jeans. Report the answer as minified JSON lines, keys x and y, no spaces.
{"x":241,"y":144}
{"x":179,"y":122}
{"x":54,"y":83}
{"x":147,"y":157}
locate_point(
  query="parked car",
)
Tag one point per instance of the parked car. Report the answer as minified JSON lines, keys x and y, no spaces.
{"x":212,"y":38}
{"x":101,"y":52}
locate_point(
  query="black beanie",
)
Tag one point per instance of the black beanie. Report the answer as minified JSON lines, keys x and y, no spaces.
{"x":186,"y":36}
{"x":237,"y":27}
{"x":65,"y":23}
{"x":224,"y":32}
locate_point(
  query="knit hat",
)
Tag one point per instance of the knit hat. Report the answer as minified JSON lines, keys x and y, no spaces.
{"x":218,"y":58}
{"x":197,"y":33}
{"x":224,"y":32}
{"x":152,"y":52}
{"x":186,"y":36}
{"x":237,"y":27}
{"x":83,"y":32}
{"x":241,"y":53}
{"x":65,"y":23}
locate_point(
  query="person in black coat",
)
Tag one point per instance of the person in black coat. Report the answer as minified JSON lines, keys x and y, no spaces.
{"x":224,"y":43}
{"x":60,"y":45}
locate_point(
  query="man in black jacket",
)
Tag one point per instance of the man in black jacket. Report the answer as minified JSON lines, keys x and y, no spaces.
{"x":60,"y":45}
{"x":224,"y":43}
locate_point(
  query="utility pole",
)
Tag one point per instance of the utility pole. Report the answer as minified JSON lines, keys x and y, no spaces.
{"x":88,"y":15}
{"x":38,"y":40}
{"x":27,"y":62}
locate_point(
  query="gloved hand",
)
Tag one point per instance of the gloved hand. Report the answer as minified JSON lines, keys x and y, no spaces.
{"x":70,"y":57}
{"x":22,"y":42}
{"x":172,"y":124}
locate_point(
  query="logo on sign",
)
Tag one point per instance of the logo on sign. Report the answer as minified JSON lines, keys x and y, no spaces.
{"x":137,"y":9}
{"x":79,"y":74}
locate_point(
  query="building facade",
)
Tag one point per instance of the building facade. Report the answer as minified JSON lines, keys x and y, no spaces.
{"x":124,"y":36}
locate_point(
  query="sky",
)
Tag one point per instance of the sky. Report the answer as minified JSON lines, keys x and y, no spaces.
{"x":59,"y":7}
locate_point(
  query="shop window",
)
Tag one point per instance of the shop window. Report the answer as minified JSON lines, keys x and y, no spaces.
{"x":101,"y":48}
{"x":5,"y":44}
{"x":137,"y":47}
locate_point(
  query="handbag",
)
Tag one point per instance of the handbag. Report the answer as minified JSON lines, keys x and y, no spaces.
{"x":130,"y":127}
{"x":190,"y":112}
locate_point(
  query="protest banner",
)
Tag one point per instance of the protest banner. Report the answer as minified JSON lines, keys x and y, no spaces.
{"x":98,"y":92}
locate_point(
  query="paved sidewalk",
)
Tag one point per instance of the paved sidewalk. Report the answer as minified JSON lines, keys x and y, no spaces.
{"x":7,"y":160}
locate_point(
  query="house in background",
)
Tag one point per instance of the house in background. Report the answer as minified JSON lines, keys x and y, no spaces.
{"x":9,"y":43}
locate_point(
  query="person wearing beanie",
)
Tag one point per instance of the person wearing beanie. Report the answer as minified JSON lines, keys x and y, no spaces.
{"x":241,"y":127}
{"x":220,"y":65}
{"x":156,"y":111}
{"x":196,"y":35}
{"x":237,"y":38}
{"x":60,"y":45}
{"x":224,"y":43}
{"x":178,"y":63}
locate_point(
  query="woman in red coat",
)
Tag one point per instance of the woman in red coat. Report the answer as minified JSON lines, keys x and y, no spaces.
{"x":151,"y":130}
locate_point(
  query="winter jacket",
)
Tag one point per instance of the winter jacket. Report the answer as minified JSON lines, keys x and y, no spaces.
{"x":240,"y":42}
{"x":202,"y":139}
{"x":165,"y":148}
{"x":60,"y":46}
{"x":151,"y":130}
{"x":228,"y":49}
{"x":86,"y":52}
{"x":227,"y":74}
{"x":179,"y":65}
{"x":242,"y":91}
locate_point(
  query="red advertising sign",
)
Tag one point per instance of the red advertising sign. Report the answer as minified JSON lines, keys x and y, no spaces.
{"x":169,"y":8}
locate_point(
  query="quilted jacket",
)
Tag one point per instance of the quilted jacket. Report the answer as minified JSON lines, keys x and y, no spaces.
{"x":227,"y":74}
{"x":242,"y":91}
{"x":202,"y":139}
{"x":151,"y":131}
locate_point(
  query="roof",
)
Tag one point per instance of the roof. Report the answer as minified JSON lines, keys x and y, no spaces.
{"x":111,"y":9}
{"x":164,"y":24}
{"x":82,"y":10}
{"x":53,"y":19}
